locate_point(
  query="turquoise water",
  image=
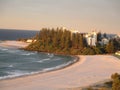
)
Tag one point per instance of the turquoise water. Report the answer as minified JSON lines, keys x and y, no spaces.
{"x":15,"y":62}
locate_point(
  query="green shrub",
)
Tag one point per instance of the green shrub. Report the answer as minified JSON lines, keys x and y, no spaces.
{"x":116,"y":81}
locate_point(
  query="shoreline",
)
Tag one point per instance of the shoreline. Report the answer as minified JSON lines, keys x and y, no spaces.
{"x":9,"y":44}
{"x":85,"y":72}
{"x":37,"y":73}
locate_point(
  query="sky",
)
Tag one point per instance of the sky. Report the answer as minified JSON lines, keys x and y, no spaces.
{"x":81,"y":15}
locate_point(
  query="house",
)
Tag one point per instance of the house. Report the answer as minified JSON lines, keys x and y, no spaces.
{"x":105,"y":41}
{"x":91,"y":38}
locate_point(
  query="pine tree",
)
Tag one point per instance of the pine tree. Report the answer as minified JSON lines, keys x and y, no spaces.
{"x":77,"y":40}
{"x":116,"y":44}
{"x":81,"y":42}
{"x":105,"y":35}
{"x":73,"y":40}
{"x":110,"y":47}
{"x":99,"y":36}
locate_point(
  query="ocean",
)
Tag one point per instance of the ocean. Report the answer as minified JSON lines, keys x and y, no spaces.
{"x":16,"y":62}
{"x":12,"y":34}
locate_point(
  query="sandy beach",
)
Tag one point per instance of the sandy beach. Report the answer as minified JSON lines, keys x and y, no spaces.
{"x":13,"y":44}
{"x":88,"y":70}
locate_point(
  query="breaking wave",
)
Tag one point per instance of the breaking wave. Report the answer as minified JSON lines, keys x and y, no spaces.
{"x":18,"y":73}
{"x":17,"y":63}
{"x":27,"y":54}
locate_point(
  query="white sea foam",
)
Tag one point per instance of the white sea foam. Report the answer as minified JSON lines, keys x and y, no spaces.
{"x":57,"y":67}
{"x":15,"y":73}
{"x":50,"y":55}
{"x":18,"y":73}
{"x":27,"y":54}
{"x":10,"y":66}
{"x":43,"y":60}
{"x":3,"y":49}
{"x":47,"y":59}
{"x":12,"y":51}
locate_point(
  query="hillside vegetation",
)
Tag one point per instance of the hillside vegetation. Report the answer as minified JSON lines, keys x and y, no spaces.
{"x":61,"y":41}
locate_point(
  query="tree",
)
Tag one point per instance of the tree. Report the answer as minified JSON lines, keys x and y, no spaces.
{"x":105,"y":35}
{"x":76,"y":40}
{"x":116,"y":81}
{"x":89,"y":51}
{"x":81,"y":42}
{"x":116,"y":44}
{"x":99,"y":36}
{"x":73,"y":40}
{"x":97,"y":50}
{"x":110,"y":47}
{"x":63,"y":41}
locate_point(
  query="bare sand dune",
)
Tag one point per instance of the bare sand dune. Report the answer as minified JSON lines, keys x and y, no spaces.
{"x":88,"y":70}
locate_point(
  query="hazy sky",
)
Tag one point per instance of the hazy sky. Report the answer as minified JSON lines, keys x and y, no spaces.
{"x":82,"y":15}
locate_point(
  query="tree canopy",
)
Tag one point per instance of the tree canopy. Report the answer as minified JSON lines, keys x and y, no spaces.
{"x":58,"y":41}
{"x":62,"y":41}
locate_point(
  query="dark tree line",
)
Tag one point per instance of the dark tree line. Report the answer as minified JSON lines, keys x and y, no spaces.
{"x":61,"y":41}
{"x":112,"y":46}
{"x":58,"y":41}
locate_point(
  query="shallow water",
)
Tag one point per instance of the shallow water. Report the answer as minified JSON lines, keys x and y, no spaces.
{"x":14,"y":62}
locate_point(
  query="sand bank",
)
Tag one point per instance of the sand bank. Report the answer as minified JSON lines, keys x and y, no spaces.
{"x":13,"y":44}
{"x":88,"y":70}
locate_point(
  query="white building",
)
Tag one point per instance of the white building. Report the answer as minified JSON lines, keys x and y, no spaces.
{"x":31,"y":40}
{"x":91,"y":38}
{"x":105,"y":41}
{"x":93,"y":42}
